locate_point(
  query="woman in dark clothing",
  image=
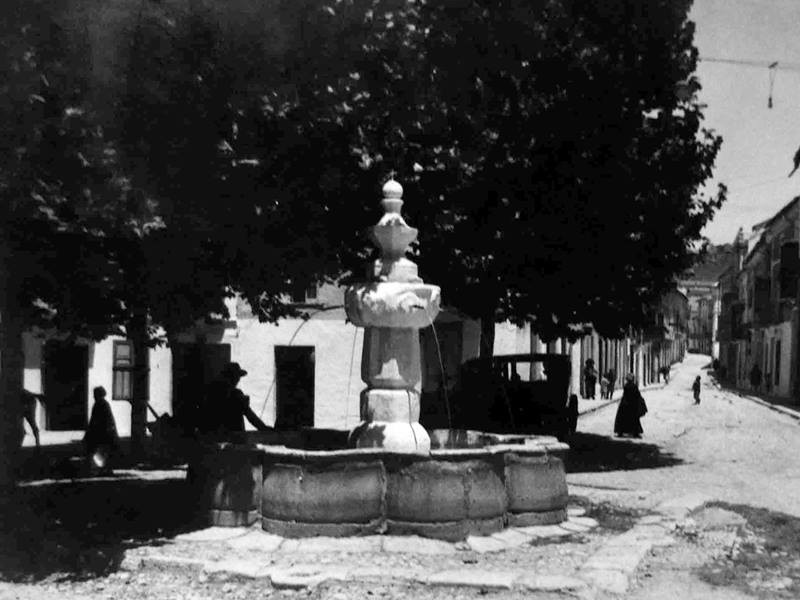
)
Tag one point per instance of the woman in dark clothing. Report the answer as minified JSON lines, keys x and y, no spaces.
{"x":101,"y":439}
{"x":612,"y":379}
{"x":631,"y":408}
{"x":589,"y":379}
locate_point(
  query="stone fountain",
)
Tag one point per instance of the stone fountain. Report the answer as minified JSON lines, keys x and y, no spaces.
{"x":392,"y":307}
{"x":388,"y":475}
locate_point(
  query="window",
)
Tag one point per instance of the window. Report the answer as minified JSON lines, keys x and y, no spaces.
{"x":123,"y":371}
{"x":789,"y":270}
{"x":302,"y":292}
{"x":778,"y":362}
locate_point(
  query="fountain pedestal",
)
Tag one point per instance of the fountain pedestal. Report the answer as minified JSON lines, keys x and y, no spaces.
{"x":392,"y":308}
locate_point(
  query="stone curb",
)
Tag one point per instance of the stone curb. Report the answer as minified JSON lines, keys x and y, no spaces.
{"x":774,"y":407}
{"x":511,"y":537}
{"x":610,"y":569}
{"x":308,"y":576}
{"x":597,"y":407}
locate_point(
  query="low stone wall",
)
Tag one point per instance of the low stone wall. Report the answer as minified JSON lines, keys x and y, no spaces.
{"x":480,"y":486}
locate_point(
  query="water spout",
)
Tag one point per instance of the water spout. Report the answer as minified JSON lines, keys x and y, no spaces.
{"x":443,"y":375}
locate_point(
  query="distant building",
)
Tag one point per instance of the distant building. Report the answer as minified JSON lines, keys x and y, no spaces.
{"x":759,"y":317}
{"x":700,"y":286}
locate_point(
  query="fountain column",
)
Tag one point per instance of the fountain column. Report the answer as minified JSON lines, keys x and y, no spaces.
{"x":392,"y":306}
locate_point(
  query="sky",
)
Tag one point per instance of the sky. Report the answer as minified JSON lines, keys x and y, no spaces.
{"x":758,"y":142}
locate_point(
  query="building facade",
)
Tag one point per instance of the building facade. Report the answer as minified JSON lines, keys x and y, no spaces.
{"x":307,"y":372}
{"x":700,"y":286}
{"x":759,"y":316}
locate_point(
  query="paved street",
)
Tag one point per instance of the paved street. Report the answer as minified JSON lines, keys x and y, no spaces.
{"x":728,"y":448}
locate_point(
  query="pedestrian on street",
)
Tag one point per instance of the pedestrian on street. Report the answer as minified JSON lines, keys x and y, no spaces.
{"x":101,"y":440}
{"x":665,"y":373}
{"x":589,"y":379}
{"x":696,"y":389}
{"x":612,"y":379}
{"x":755,"y":377}
{"x":631,"y":408}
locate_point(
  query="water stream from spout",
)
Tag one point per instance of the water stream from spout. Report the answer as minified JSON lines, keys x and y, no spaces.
{"x":441,"y":370}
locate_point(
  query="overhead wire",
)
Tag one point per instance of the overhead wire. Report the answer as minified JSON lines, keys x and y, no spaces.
{"x":758,"y":64}
{"x":772,"y":67}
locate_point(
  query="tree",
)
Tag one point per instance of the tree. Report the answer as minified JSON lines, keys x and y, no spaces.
{"x":64,"y":205}
{"x":553,"y":151}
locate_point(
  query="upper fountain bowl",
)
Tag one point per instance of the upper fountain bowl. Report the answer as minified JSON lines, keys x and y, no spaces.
{"x":393,"y":304}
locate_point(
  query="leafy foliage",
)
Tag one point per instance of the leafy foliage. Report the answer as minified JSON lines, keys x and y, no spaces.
{"x":64,"y":198}
{"x":551,"y":151}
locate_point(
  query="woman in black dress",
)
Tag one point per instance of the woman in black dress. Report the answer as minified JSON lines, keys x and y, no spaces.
{"x":101,"y":440}
{"x":631,"y":408}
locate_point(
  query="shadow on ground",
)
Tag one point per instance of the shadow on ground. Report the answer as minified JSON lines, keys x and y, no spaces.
{"x":590,"y":453}
{"x":72,"y":529}
{"x":763,"y":559}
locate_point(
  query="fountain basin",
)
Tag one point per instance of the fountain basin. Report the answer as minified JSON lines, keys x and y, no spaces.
{"x":470,"y":483}
{"x":393,"y":304}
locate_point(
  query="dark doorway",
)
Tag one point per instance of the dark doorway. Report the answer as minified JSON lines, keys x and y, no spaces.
{"x":194,"y":367}
{"x":294,"y":386}
{"x":66,"y":386}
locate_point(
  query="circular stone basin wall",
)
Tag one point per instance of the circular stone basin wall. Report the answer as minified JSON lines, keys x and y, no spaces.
{"x":470,"y":483}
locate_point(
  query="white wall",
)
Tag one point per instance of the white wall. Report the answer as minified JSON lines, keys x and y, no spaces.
{"x":101,"y":373}
{"x":337,"y":356}
{"x":510,"y":339}
{"x":337,"y":365}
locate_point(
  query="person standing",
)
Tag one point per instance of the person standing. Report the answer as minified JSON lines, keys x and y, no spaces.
{"x":589,"y":379}
{"x":101,"y":440}
{"x":612,"y":379}
{"x":631,"y":409}
{"x":226,"y":406}
{"x":696,"y":389}
{"x":755,"y":377}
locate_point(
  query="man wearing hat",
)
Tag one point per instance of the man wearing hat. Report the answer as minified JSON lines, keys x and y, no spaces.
{"x":226,"y":406}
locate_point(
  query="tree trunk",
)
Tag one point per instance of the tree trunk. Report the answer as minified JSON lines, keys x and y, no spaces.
{"x":11,"y":370}
{"x":137,"y":334}
{"x":487,"y":334}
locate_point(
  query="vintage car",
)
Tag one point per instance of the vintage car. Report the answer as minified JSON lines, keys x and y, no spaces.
{"x":514,"y":393}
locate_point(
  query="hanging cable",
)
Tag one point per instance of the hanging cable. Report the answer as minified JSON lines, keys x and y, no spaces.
{"x":773,"y":70}
{"x":757,"y":64}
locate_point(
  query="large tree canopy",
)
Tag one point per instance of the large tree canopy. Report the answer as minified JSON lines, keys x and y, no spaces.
{"x":65,"y":204}
{"x":552,"y":153}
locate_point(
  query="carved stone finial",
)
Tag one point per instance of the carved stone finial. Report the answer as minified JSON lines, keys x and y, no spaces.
{"x":393,"y":236}
{"x":392,"y":189}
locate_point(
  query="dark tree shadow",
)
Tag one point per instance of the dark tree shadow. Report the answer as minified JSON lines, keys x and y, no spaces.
{"x":590,"y":453}
{"x":61,"y":523}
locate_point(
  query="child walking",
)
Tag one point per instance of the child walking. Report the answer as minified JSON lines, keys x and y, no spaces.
{"x":696,"y":389}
